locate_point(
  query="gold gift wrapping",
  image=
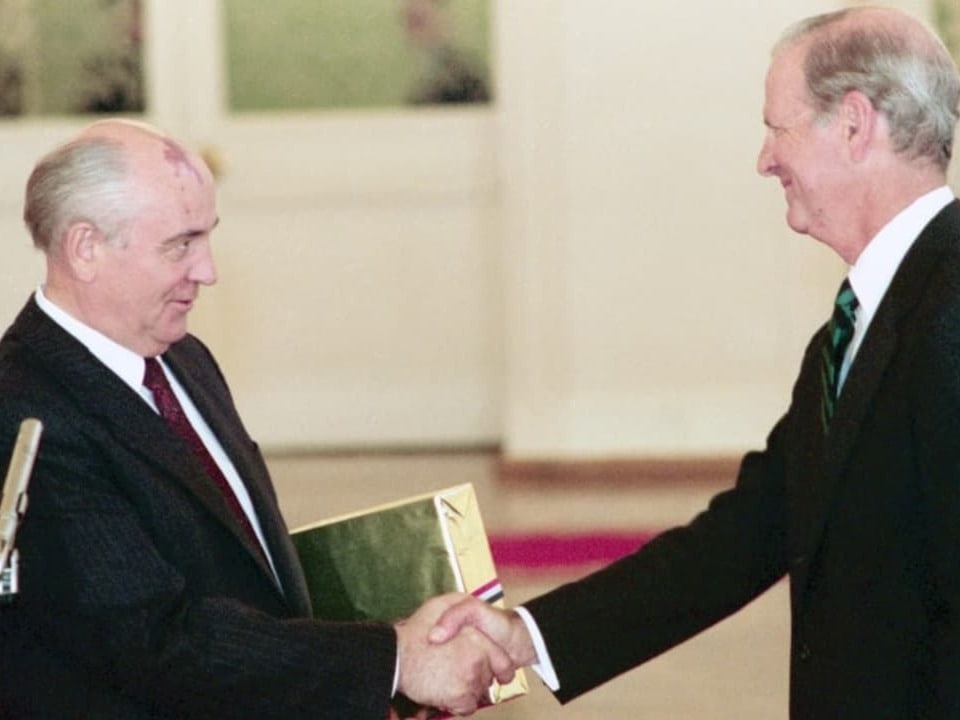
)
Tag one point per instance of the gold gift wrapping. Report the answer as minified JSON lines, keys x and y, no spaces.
{"x":382,"y":563}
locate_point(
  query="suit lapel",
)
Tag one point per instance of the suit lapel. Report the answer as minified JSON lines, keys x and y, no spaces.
{"x":826,"y":465}
{"x":131,"y":423}
{"x":828,"y":456}
{"x":199,"y":387}
{"x":223,"y":420}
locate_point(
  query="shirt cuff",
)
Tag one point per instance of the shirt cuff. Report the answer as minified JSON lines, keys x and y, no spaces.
{"x":543,"y":666}
{"x":396,"y":675}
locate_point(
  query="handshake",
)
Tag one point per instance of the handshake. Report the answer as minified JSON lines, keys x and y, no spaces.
{"x":453,"y":648}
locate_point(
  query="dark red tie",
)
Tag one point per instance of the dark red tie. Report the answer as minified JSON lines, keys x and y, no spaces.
{"x":171,"y":411}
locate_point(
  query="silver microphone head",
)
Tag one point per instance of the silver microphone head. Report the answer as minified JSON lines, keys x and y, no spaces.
{"x":14,"y":501}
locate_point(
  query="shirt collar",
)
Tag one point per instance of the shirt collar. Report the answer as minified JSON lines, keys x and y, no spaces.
{"x":873,"y":272}
{"x":123,"y":362}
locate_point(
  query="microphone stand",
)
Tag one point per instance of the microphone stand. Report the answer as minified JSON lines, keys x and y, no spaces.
{"x":13,"y":504}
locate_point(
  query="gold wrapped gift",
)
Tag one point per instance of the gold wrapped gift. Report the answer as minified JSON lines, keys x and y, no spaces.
{"x":384,"y":562}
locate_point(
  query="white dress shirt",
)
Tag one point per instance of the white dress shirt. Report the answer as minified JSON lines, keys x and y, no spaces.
{"x":129,"y":367}
{"x":873,"y":272}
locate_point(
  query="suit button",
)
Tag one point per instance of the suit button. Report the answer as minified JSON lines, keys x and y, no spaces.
{"x":803,"y":652}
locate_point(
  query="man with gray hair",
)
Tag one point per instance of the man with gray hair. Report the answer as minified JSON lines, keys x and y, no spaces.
{"x":158,"y":578}
{"x":857,"y":494}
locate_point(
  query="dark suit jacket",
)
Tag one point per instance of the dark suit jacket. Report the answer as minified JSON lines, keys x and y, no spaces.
{"x":866,"y":521}
{"x":141,"y":597}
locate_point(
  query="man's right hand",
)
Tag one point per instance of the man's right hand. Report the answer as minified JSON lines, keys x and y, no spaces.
{"x":503,"y":627}
{"x":454,"y":675}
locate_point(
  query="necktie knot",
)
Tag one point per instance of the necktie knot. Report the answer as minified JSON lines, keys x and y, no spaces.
{"x":152,"y":373}
{"x":156,"y":382}
{"x":846,"y":304}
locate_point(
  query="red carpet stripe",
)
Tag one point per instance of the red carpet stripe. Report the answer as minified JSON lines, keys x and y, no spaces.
{"x":545,"y":551}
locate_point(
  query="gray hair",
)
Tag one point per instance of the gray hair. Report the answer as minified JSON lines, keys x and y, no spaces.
{"x":908,"y":76}
{"x":88,"y":180}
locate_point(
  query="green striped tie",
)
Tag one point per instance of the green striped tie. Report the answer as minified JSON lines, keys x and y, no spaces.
{"x":839,"y":332}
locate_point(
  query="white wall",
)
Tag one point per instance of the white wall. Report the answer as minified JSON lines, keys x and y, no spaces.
{"x":360,"y":307}
{"x":658,"y":305}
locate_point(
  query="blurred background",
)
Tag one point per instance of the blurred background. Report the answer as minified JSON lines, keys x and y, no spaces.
{"x":534,"y":226}
{"x":515,"y":242}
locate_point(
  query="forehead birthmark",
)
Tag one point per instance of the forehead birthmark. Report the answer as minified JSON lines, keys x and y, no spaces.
{"x":175,"y":155}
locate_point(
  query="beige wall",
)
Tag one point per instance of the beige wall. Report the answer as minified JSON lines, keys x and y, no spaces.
{"x":591,"y":268}
{"x":658,"y":305}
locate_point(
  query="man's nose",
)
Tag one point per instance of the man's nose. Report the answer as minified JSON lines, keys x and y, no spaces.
{"x":765,"y":162}
{"x":204,"y":269}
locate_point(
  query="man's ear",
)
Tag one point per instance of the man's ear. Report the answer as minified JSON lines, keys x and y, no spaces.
{"x":81,"y":249}
{"x":858,"y":121}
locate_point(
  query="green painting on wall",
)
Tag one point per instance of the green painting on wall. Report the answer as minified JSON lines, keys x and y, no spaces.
{"x":317,"y":54}
{"x":65,"y":58}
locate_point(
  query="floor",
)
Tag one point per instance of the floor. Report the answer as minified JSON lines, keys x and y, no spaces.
{"x":737,"y":669}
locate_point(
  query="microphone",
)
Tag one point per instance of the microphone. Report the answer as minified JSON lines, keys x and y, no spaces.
{"x":14,"y":503}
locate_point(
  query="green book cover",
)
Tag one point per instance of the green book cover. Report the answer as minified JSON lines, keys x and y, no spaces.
{"x":382,"y":563}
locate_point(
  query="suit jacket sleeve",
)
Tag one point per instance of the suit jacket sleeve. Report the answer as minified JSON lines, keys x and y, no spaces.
{"x":136,"y":599}
{"x":863,"y":517}
{"x":680,"y":583}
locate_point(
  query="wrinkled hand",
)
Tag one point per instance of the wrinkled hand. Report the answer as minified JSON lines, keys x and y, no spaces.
{"x":454,"y":675}
{"x":503,"y":627}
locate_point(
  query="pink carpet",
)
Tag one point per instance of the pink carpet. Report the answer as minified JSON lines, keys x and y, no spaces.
{"x":556,"y":551}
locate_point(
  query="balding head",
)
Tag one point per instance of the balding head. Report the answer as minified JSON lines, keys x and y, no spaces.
{"x":896,"y":62}
{"x":104,"y":176}
{"x":124,"y":215}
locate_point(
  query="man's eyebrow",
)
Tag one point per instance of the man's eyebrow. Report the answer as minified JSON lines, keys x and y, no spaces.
{"x":192,"y":233}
